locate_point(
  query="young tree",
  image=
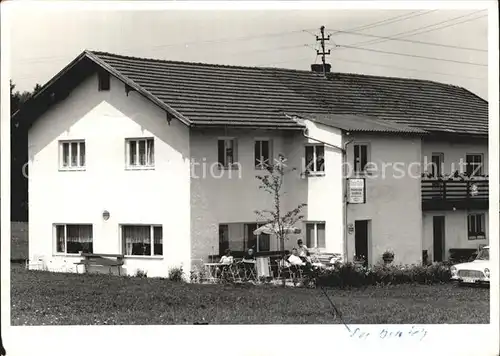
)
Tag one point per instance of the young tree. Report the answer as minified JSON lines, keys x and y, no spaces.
{"x":272,"y":183}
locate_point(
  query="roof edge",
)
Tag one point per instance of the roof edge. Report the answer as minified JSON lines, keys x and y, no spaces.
{"x":137,"y":87}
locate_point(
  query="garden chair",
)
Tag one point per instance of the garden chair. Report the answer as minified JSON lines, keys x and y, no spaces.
{"x":263,"y":267}
{"x":37,"y":263}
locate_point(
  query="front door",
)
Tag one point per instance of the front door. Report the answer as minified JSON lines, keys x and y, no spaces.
{"x":438,"y":233}
{"x":361,"y":239}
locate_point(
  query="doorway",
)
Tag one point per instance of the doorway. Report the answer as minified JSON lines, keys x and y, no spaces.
{"x":361,"y":232}
{"x":438,"y":237}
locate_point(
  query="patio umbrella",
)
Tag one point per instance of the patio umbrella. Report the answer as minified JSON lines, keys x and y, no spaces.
{"x":273,"y":229}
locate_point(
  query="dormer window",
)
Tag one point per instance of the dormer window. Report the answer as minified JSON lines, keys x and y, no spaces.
{"x":104,"y":81}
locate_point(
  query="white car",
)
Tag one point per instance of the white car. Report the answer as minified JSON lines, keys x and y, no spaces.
{"x":475,"y":272}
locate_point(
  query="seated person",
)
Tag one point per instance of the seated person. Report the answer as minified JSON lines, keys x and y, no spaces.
{"x":294,"y":258}
{"x":249,"y":263}
{"x":303,"y":250}
{"x":249,"y":256}
{"x":227,"y":259}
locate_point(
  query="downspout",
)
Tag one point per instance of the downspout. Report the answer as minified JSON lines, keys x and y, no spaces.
{"x":346,"y":203}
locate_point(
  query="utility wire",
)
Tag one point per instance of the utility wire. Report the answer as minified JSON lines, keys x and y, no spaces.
{"x":388,"y":21}
{"x":412,"y":41}
{"x":413,"y":55}
{"x":185,"y":44}
{"x":430,"y":28}
{"x":401,"y":68}
{"x":406,"y":69}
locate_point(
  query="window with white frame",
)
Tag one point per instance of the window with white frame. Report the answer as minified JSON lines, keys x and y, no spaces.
{"x":315,"y":235}
{"x":142,"y":240}
{"x":72,"y":155}
{"x":315,"y":158}
{"x":476,"y":226}
{"x":227,"y":148}
{"x":140,"y":152}
{"x":262,"y":153}
{"x":73,"y":238}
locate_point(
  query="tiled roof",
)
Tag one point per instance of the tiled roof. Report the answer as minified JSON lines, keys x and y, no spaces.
{"x":207,"y":94}
{"x":358,"y":123}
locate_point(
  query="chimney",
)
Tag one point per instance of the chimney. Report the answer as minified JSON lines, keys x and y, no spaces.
{"x":318,"y":68}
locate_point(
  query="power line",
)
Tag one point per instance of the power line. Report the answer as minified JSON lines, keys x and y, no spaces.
{"x":413,"y":55}
{"x":388,"y":21}
{"x":185,"y":44}
{"x":407,"y":69}
{"x":417,"y":31}
{"x":411,"y":41}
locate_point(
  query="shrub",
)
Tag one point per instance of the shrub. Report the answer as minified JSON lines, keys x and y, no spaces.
{"x":197,"y":275}
{"x":141,"y":274}
{"x":352,"y":275}
{"x":176,"y":274}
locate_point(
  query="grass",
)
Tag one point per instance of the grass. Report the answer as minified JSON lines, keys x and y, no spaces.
{"x":45,"y":298}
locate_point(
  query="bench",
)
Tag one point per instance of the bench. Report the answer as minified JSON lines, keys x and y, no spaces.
{"x":101,"y":259}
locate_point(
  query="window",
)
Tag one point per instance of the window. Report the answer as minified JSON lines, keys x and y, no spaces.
{"x":474,"y":164}
{"x":437,"y":164}
{"x":72,"y":155}
{"x":227,"y":152}
{"x":360,"y":158}
{"x":142,"y":240}
{"x":476,"y":225}
{"x":262,"y":154}
{"x":223,"y":238}
{"x":73,"y":238}
{"x":140,"y":153}
{"x":259,"y":243}
{"x":315,"y":158}
{"x":104,"y":81}
{"x":315,"y":235}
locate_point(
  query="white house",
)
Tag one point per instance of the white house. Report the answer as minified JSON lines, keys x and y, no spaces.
{"x":156,"y":160}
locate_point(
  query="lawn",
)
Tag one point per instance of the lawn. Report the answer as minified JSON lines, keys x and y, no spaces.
{"x":45,"y":298}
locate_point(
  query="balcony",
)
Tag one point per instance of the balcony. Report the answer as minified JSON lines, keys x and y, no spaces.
{"x":455,"y":194}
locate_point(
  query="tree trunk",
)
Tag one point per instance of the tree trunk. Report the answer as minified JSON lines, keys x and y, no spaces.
{"x":282,"y":249}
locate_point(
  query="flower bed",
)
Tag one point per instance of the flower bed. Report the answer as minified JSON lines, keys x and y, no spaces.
{"x":351,"y":275}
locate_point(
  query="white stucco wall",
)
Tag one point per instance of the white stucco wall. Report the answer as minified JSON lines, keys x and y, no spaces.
{"x":455,"y":221}
{"x":159,"y":196}
{"x":326,"y":193}
{"x":455,"y":235}
{"x":393,"y":201}
{"x":453,"y":153}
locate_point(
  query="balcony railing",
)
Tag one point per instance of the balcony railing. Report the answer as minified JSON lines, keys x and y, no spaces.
{"x":450,"y":194}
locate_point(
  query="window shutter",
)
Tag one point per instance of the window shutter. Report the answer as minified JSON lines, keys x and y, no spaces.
{"x":309,"y":159}
{"x":364,"y":157}
{"x":221,"y":152}
{"x":235,"y":151}
{"x":257,"y":153}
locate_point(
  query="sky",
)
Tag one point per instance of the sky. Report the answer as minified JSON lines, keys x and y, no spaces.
{"x":44,"y":41}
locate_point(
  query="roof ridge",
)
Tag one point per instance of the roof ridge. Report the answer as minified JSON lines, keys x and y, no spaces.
{"x":289,"y":70}
{"x":103,"y":53}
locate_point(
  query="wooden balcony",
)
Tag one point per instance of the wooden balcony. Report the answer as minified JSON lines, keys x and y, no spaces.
{"x":455,"y":194}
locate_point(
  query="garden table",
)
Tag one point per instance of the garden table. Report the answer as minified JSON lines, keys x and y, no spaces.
{"x":211,"y":270}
